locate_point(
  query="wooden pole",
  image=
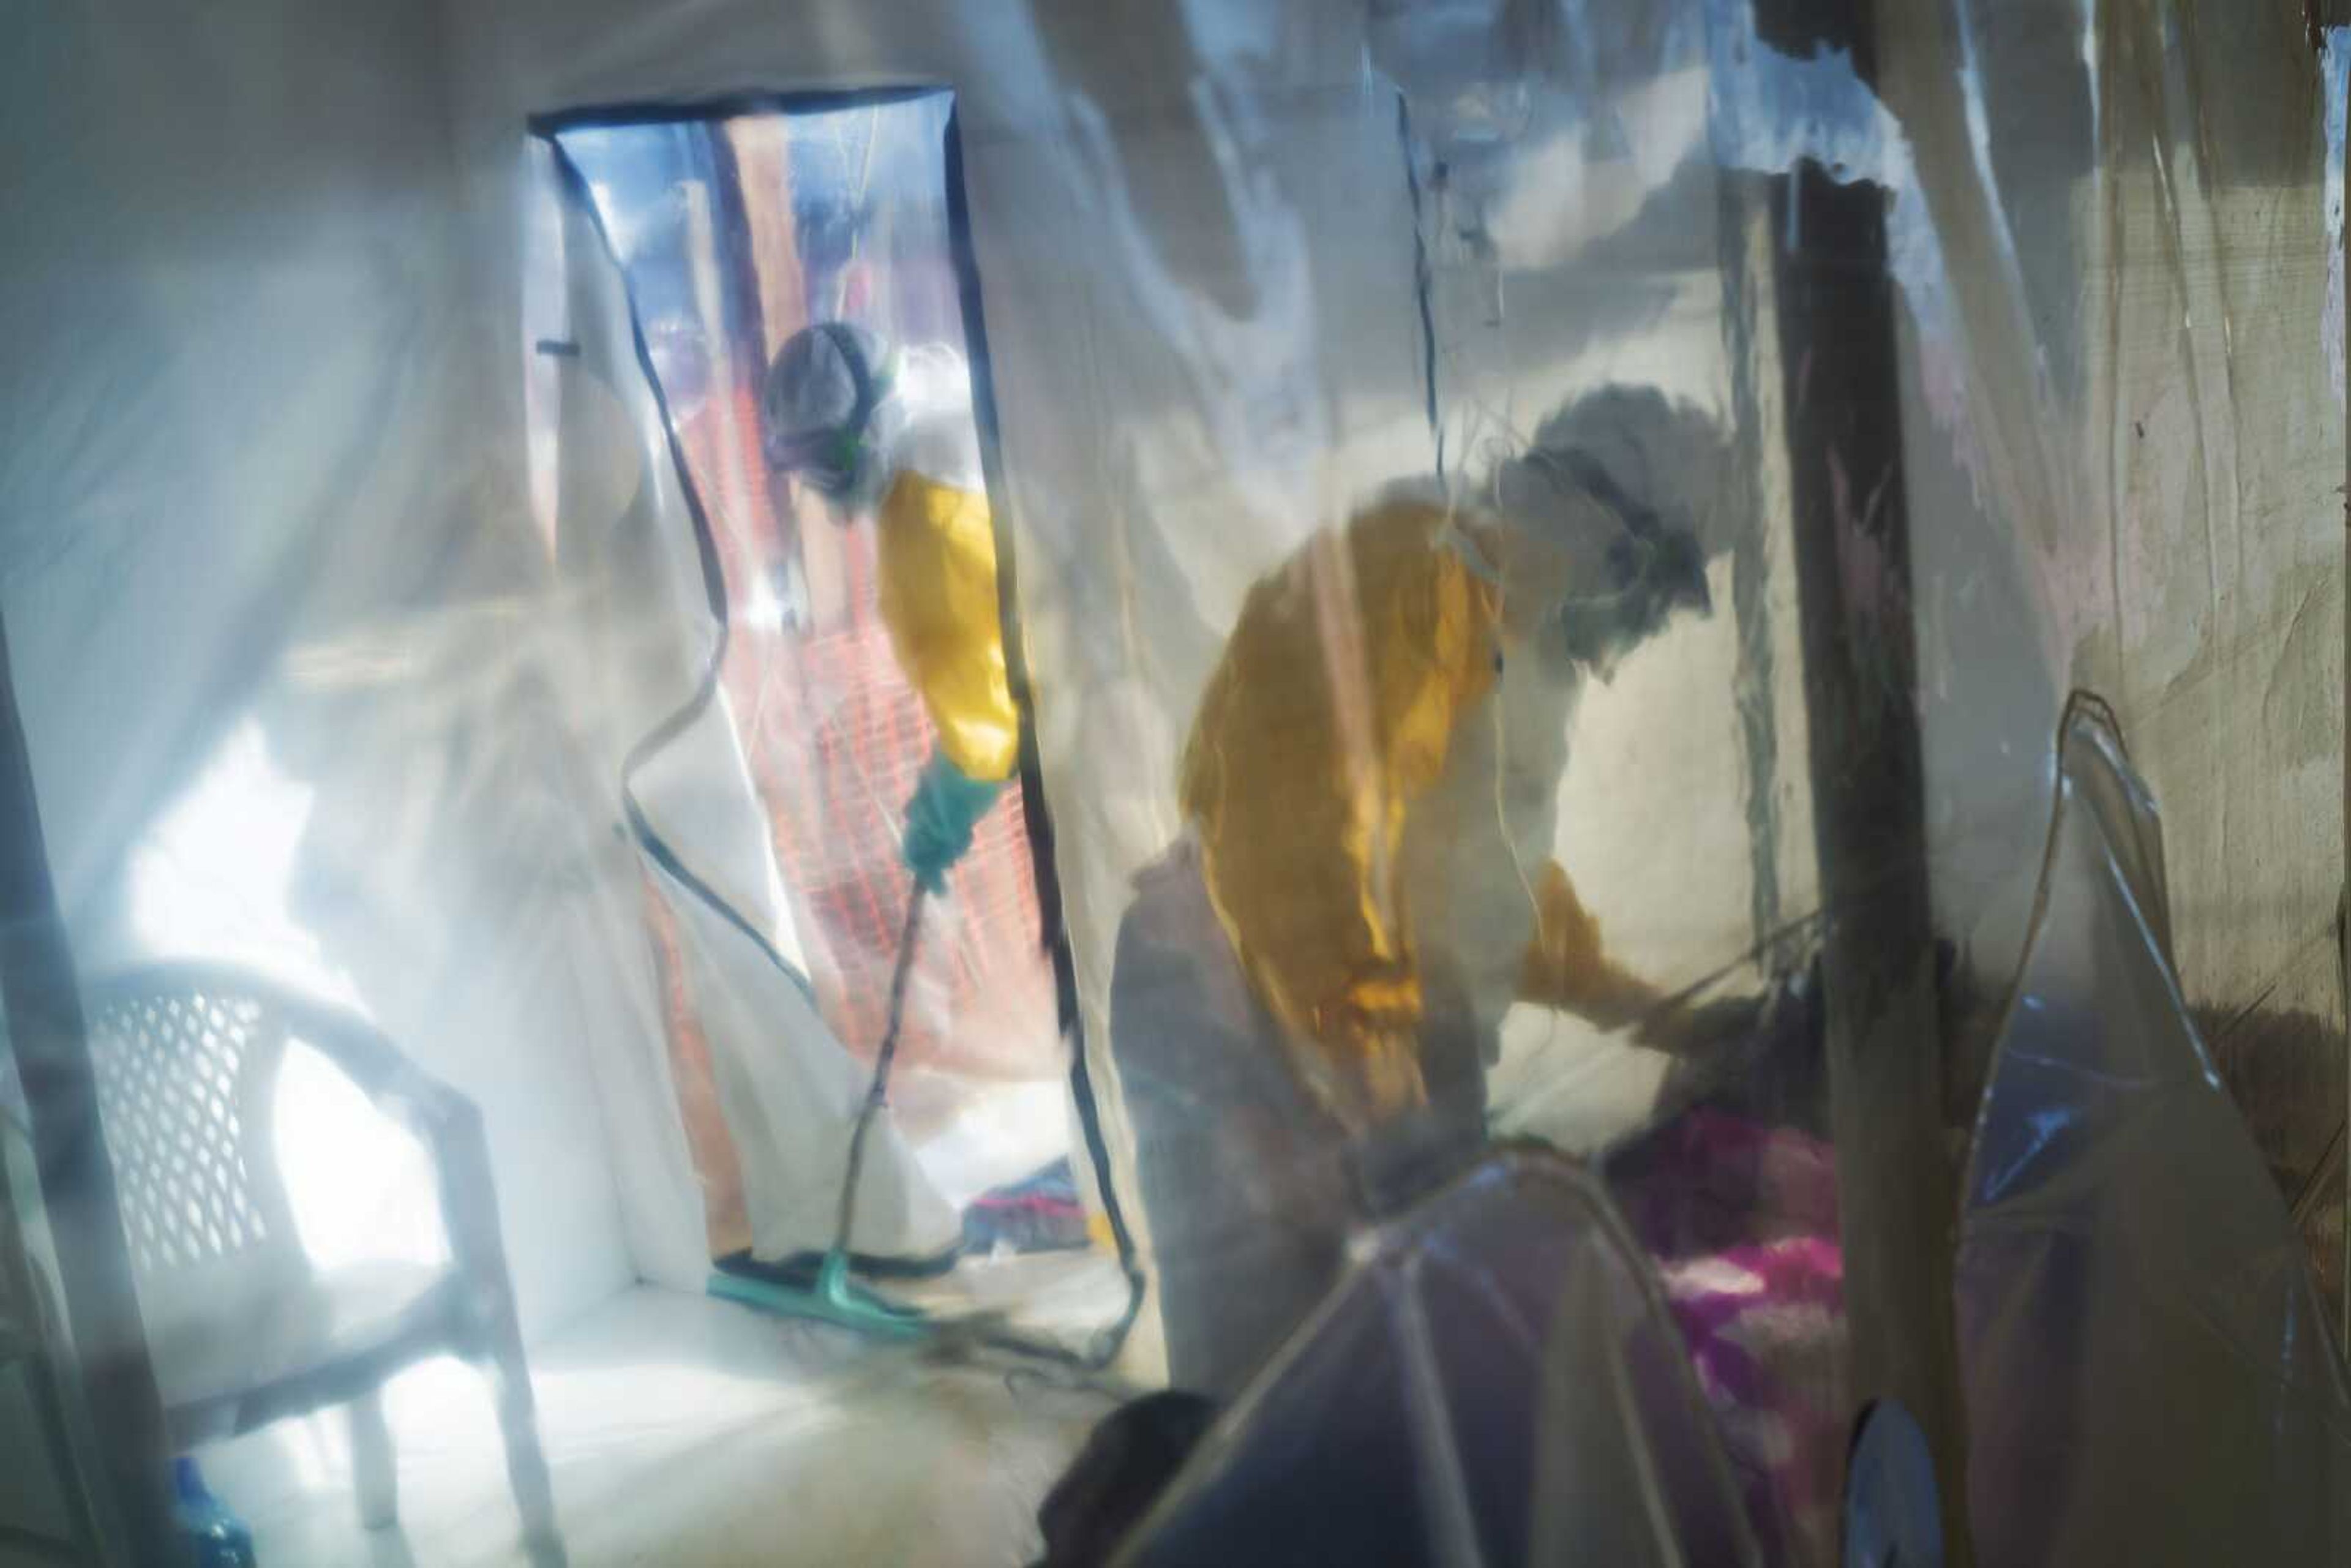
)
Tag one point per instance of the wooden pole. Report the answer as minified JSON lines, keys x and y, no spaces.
{"x":1841,"y":365}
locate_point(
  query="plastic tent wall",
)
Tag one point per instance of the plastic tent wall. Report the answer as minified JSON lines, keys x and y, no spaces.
{"x":2076,"y":185}
{"x":2124,"y":1257}
{"x":267,"y":493}
{"x":245,"y":240}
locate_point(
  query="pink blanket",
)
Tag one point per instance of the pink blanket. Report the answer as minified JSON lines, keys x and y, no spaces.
{"x":1741,"y":1218}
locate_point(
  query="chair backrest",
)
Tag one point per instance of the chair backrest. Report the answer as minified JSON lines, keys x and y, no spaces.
{"x":186,"y":1067}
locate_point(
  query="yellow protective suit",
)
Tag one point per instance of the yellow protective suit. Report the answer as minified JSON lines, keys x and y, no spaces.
{"x":1329,"y":717}
{"x":936,"y":547}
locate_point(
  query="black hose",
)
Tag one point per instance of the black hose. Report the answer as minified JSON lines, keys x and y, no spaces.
{"x":713,"y":589}
{"x":878,"y":1092}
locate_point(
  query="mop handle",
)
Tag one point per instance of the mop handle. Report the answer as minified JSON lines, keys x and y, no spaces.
{"x":877,"y":1094}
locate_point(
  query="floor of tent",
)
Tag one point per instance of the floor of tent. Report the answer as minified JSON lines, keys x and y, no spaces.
{"x":682,"y":1429}
{"x":685,"y":1430}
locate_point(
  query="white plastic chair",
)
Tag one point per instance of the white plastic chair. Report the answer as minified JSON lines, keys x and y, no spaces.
{"x":243,"y":1330}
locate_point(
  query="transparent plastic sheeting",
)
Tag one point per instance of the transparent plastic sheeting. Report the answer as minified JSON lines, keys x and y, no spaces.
{"x":1399,"y":452}
{"x":2150,"y":1371}
{"x":1536,"y":1366}
{"x":732,"y":233}
{"x":1497,"y":1381}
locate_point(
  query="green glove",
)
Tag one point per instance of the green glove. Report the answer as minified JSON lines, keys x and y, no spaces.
{"x":947,"y":805}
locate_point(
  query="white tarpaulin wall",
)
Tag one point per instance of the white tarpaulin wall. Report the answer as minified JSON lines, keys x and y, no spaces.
{"x":270,"y":538}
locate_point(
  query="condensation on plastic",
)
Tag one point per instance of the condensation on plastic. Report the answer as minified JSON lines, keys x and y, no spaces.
{"x":306,"y":685}
{"x":2124,"y":1258}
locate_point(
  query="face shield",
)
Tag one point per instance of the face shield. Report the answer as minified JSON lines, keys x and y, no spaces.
{"x":1617,"y":491}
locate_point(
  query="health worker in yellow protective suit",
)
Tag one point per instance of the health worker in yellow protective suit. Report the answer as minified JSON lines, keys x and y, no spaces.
{"x":833,"y":413}
{"x":1310,"y":984}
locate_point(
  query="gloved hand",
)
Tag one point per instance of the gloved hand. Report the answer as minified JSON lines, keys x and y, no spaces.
{"x":948,"y":804}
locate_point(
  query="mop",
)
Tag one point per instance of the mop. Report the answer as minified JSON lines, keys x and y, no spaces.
{"x":834,"y":1297}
